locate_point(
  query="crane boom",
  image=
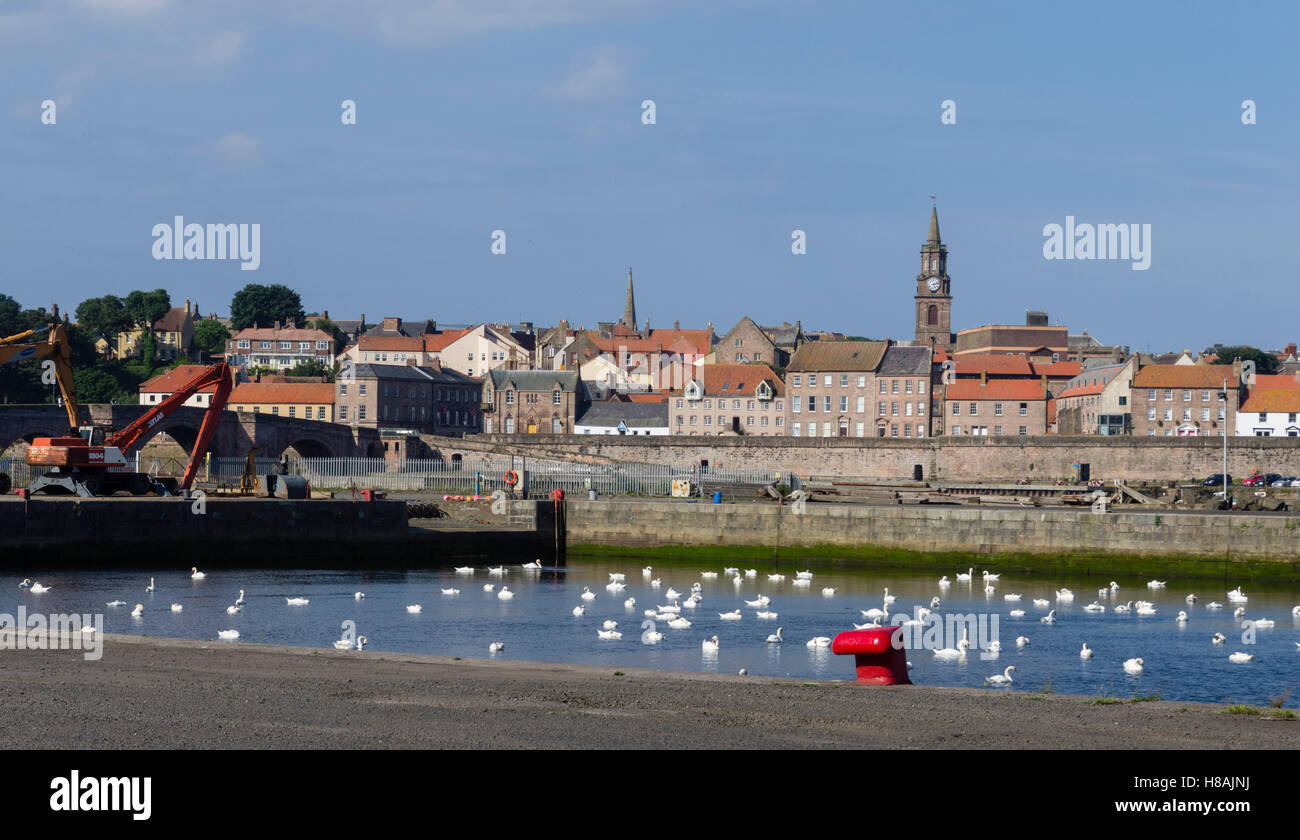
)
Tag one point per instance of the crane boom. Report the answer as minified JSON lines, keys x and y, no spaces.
{"x":17,"y":348}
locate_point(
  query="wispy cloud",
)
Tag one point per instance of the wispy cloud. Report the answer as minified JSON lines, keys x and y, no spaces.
{"x":237,"y":149}
{"x":598,"y":74}
{"x":224,"y":47}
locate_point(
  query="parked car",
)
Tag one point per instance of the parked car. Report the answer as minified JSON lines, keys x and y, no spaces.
{"x":1253,"y":481}
{"x":1215,"y":480}
{"x":1282,"y":481}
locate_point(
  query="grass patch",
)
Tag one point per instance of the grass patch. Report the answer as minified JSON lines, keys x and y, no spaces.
{"x":457,"y":658}
{"x":1033,"y":697}
{"x":1047,"y":688}
{"x":619,"y":674}
{"x":1105,"y":701}
{"x":1282,"y":714}
{"x":1279,"y":701}
{"x":1148,"y":698}
{"x":1242,"y":709}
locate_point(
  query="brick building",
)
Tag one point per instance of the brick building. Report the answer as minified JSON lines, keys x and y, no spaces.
{"x":1185,"y":400}
{"x":426,"y":399}
{"x":999,"y":407}
{"x":517,"y":402}
{"x":280,"y":348}
{"x":859,"y":389}
{"x":730,"y":399}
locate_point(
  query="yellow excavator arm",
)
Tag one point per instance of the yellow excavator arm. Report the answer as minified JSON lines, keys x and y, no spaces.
{"x":18,"y":347}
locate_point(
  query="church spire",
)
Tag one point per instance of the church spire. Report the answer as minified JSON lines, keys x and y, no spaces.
{"x":933,"y":238}
{"x":629,"y":311}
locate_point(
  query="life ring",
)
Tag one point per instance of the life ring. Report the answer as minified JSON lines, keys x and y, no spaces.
{"x":512,"y":478}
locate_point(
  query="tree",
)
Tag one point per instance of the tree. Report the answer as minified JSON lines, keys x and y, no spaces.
{"x":1264,"y":362}
{"x":312,"y":367}
{"x":265,"y":305}
{"x":104,"y":317}
{"x":147,"y":307}
{"x":210,"y":335}
{"x":327,"y":326}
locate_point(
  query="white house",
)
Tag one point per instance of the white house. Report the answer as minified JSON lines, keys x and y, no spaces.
{"x":1270,"y":413}
{"x":623,"y":418}
{"x":485,"y":348}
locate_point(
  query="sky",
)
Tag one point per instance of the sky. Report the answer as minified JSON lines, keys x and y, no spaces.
{"x":523,"y":116}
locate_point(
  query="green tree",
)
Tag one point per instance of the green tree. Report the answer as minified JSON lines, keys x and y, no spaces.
{"x":147,"y":307}
{"x":104,"y":317}
{"x":1264,"y":362}
{"x":264,"y":305}
{"x":328,"y":327}
{"x":312,"y":367}
{"x":210,"y":335}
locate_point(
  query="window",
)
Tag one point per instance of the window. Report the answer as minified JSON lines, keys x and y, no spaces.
{"x":343,"y":412}
{"x":893,"y":409}
{"x":862,"y":383}
{"x":292,"y":411}
{"x":997,"y":409}
{"x":1151,"y":394}
{"x":1169,"y":395}
{"x":764,"y":420}
{"x":920,"y":430}
{"x":862,"y":404}
{"x":286,"y":345}
{"x":361,"y":388}
{"x":557,"y":426}
{"x":812,"y":402}
{"x":510,"y":397}
{"x":920,"y":389}
{"x":322,"y":345}
{"x":907,"y":409}
{"x":749,"y":421}
{"x":826,"y":403}
{"x":920,"y":410}
{"x":797,"y":379}
{"x":739,"y":342}
{"x":1123,"y":400}
{"x":1187,"y":414}
{"x":361,"y":412}
{"x":844,"y":380}
{"x":243,"y":344}
{"x":1205,"y":396}
{"x":734,"y":404}
{"x":907,"y":387}
{"x":1169,"y":414}
{"x":510,"y":425}
{"x":893,"y":430}
{"x":708,"y":403}
{"x":794,"y":403}
{"x":1205,"y":414}
{"x":974,"y":409}
{"x":884,"y":386}
{"x":692,"y":419}
{"x":1151,"y":413}
{"x":708,"y":419}
{"x":679,"y":403}
{"x":997,"y":430}
{"x":1024,"y":409}
{"x":1187,"y":395}
{"x":750,"y":405}
{"x":780,"y":421}
{"x":266,"y":345}
{"x":555,"y":398}
{"x":826,"y":429}
{"x":304,"y":345}
{"x":794,"y":430}
{"x":826,"y":380}
{"x":1263,"y":417}
{"x":844,"y":403}
{"x":956,"y":430}
{"x":1023,"y":431}
{"x":956,"y":410}
{"x":320,"y":412}
{"x":893,"y":386}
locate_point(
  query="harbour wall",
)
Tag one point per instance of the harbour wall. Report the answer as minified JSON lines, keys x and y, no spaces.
{"x":1192,"y":544}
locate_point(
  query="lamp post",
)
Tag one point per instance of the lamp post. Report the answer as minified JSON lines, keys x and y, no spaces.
{"x":1224,"y":396}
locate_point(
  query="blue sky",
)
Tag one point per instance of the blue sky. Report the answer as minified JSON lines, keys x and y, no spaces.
{"x":475,"y":115}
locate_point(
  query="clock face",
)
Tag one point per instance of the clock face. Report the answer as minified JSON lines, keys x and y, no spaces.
{"x":932,"y":284}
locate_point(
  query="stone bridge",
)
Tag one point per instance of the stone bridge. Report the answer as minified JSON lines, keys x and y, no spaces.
{"x":237,"y":432}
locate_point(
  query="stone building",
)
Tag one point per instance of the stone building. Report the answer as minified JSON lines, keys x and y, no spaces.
{"x":517,"y":402}
{"x":1185,"y":400}
{"x":730,"y":399}
{"x":999,"y":407}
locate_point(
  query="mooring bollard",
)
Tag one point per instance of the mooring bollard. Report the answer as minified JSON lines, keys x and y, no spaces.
{"x":878,"y":661}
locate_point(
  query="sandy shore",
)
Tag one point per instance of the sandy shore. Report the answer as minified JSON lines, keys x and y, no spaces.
{"x":170,"y":693}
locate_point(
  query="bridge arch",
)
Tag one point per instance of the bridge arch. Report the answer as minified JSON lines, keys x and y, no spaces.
{"x":305,"y":447}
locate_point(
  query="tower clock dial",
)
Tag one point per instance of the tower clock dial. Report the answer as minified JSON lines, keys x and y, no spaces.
{"x":933,"y":283}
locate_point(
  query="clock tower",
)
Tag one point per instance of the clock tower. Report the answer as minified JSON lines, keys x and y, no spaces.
{"x":934,"y":292}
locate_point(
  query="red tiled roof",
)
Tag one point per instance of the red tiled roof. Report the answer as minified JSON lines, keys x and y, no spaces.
{"x":409,"y":343}
{"x":996,"y":389}
{"x":1273,"y":400}
{"x":699,"y":339}
{"x":284,"y":392}
{"x":630,"y":344}
{"x":738,"y":379}
{"x":282,"y":334}
{"x":1184,"y":376}
{"x":994,"y":365}
{"x":1055,"y":370}
{"x":437,"y":342}
{"x":1275,"y":382}
{"x":175,"y":379}
{"x":1083,"y":390}
{"x":1051,"y":410}
{"x":648,"y":397}
{"x":838,"y":356}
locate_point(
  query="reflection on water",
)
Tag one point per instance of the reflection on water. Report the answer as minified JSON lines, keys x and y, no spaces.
{"x":538,"y":623}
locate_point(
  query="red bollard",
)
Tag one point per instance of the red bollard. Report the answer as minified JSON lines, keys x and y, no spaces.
{"x":878,"y":661}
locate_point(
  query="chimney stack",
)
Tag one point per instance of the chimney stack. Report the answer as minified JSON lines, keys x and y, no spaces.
{"x":187,"y":306}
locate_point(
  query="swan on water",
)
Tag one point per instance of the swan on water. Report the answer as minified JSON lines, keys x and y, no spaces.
{"x":117,"y":603}
{"x":967,"y":575}
{"x":749,"y":573}
{"x":776,"y":578}
{"x":579,"y":610}
{"x":610,"y":624}
{"x":1086,"y":653}
{"x":496,"y":647}
{"x":679,"y":623}
{"x":801,"y":583}
{"x":228,"y":634}
{"x":731,"y":570}
{"x":1114,"y":587}
{"x":1003,"y":678}
{"x":296,"y":602}
{"x":828,"y":591}
{"x":346,"y":644}
{"x":234,"y":609}
{"x":359,"y":595}
{"x":708,"y":575}
{"x":1021,"y":641}
{"x":805,"y":575}
{"x":1237,"y":595}
{"x":150,"y":587}
{"x":934,"y":603}
{"x":1219,"y":638}
{"x":948,"y":653}
{"x":587,"y":594}
{"x":738,"y":580}
{"x":1182,"y":617}
{"x":496,"y":570}
{"x":874,"y":613}
{"x":615,"y":588}
{"x":672,"y":608}
{"x":765,"y":614}
{"x":138,"y":611}
{"x":672,"y":594}
{"x":1041,"y":603}
{"x":654,"y":584}
{"x":617,"y":577}
{"x":608,"y":634}
{"x":1264,"y":623}
{"x":195,"y":574}
{"x":630,"y":603}
{"x":1017,"y":613}
{"x":452,"y":591}
{"x":1295,"y":611}
{"x":1050,"y":618}
{"x":488,"y":587}
{"x":943,"y":581}
{"x":537,"y":564}
{"x":995,"y":646}
{"x":1145,"y":609}
{"x":1240,"y":657}
{"x":1156,"y":584}
{"x":1011,"y":596}
{"x":651,"y":637}
{"x":731,"y":616}
{"x":464,"y":570}
{"x":1239,"y":612}
{"x":775,"y":638}
{"x":1191,"y":599}
{"x":1095,"y":607}
{"x":989,"y":589}
{"x":1133,"y":666}
{"x":1214,"y":605}
{"x":647,"y":571}
{"x":1124,"y":608}
{"x":177,"y":608}
{"x":37,"y":588}
{"x":414,"y":608}
{"x":1064,"y":595}
{"x":710,"y":645}
{"x":26,"y":584}
{"x":239,"y":602}
{"x":819,"y":642}
{"x":991,"y":577}
{"x":875,"y":622}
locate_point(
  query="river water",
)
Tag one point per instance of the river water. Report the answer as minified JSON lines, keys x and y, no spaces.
{"x":1180,"y":660}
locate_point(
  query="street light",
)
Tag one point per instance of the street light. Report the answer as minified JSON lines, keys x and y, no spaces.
{"x":1223,"y":395}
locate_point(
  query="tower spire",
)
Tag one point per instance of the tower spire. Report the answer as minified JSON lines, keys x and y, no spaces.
{"x":933,"y":238}
{"x":629,"y":310}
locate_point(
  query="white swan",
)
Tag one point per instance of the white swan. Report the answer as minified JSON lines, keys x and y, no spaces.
{"x":760,"y":601}
{"x":1237,"y":596}
{"x":749,"y":573}
{"x":615,"y":587}
{"x":995,"y":646}
{"x":1182,"y":617}
{"x":775,"y":638}
{"x":1133,"y":666}
{"x":296,"y":602}
{"x":1214,"y":605}
{"x":731,"y":570}
{"x":234,"y":609}
{"x":1219,"y":639}
{"x":803,"y":583}
{"x":1123,"y":608}
{"x":672,"y":594}
{"x":228,"y":634}
{"x":1021,"y":641}
{"x":1264,"y":623}
{"x":656,"y":583}
{"x":647,"y":571}
{"x":1156,"y":584}
{"x":819,"y":642}
{"x":610,"y":624}
{"x":138,"y":611}
{"x":943,"y":581}
{"x":1114,"y":587}
{"x":652,"y":637}
{"x":1017,"y":613}
{"x":587,"y":594}
{"x":989,"y":589}
{"x":347,"y":644}
{"x":117,"y":603}
{"x":26,"y":584}
{"x":731,"y":616}
{"x":1095,"y":607}
{"x":496,"y":570}
{"x":874,"y":613}
{"x":765,"y":614}
{"x":1145,"y":609}
{"x":196,"y":574}
{"x":239,"y":602}
{"x":708,"y":575}
{"x":991,"y":577}
{"x":630,"y":603}
{"x":947,"y":653}
{"x":1240,"y":657}
{"x":608,"y":634}
{"x":579,"y":610}
{"x":414,"y":608}
{"x":1050,"y":618}
{"x":150,"y":587}
{"x":452,"y":591}
{"x":671,"y":608}
{"x":177,"y":608}
{"x":1003,"y":678}
{"x":464,"y":570}
{"x":1041,"y":603}
{"x":805,"y":575}
{"x":37,"y":588}
{"x":710,"y":645}
{"x":496,"y":647}
{"x":1295,"y":611}
{"x":489,"y":587}
{"x":738,"y":580}
{"x":505,"y":594}
{"x":537,"y":564}
{"x":828,"y":591}
{"x":1086,"y":653}
{"x":1011,"y":596}
{"x":358,"y":595}
{"x":967,"y":575}
{"x":934,"y":603}
{"x":1191,"y":599}
{"x":1239,"y":612}
{"x":1064,"y":594}
{"x":679,"y":623}
{"x":776,"y":578}
{"x":875,"y":623}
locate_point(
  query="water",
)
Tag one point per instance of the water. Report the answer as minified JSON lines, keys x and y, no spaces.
{"x":1181,"y":663}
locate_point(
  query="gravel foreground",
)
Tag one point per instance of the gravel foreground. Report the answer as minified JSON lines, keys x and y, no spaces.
{"x":160,"y":693}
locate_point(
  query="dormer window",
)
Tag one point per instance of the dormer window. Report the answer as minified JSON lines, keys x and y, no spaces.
{"x":693,"y":390}
{"x":764,"y":391}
